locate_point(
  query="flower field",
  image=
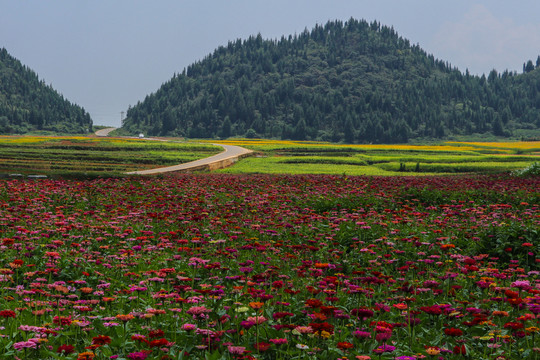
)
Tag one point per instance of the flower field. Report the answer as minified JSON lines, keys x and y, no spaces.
{"x":223,"y":266}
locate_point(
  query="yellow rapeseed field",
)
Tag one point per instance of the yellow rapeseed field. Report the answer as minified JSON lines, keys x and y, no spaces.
{"x":516,"y":145}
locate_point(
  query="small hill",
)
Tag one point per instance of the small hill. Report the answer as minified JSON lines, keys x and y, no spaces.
{"x":28,"y":104}
{"x":348,"y":81}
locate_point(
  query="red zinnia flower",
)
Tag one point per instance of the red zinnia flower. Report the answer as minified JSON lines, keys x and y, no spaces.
{"x":159,"y":342}
{"x":515,"y":301}
{"x":453,"y":332}
{"x":362,"y":313}
{"x":279,"y":315}
{"x":460,"y":350}
{"x":511,"y":294}
{"x":313,"y":303}
{"x":344,"y":345}
{"x":155,"y":333}
{"x":62,"y":320}
{"x":101,"y":340}
{"x":8,"y":314}
{"x":66,"y":349}
{"x":432,"y":310}
{"x":328,"y":310}
{"x":262,"y":346}
{"x":320,"y":327}
{"x":514,"y":325}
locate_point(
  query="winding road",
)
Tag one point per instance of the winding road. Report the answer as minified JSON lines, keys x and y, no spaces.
{"x":229,"y":156}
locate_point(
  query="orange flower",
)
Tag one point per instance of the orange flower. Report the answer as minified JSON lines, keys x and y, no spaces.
{"x":433,"y":350}
{"x":86,"y":355}
{"x":62,"y":289}
{"x":86,"y":290}
{"x":256,"y":305}
{"x":16,"y":264}
{"x":156,"y":311}
{"x":321,"y":265}
{"x":125,"y":317}
{"x":319,"y":316}
{"x":93,"y":347}
{"x":344,"y":345}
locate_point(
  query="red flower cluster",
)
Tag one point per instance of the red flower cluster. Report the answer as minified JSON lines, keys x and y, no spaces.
{"x":8,"y":314}
{"x":453,"y":332}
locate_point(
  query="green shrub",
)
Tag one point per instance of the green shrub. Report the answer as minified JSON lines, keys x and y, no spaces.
{"x":531,"y":170}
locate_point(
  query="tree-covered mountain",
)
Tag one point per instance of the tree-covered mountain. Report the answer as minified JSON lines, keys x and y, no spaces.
{"x":28,"y":104}
{"x":353,"y":82}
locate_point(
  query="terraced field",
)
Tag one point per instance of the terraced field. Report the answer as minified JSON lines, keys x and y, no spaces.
{"x":296,"y":157}
{"x":92,"y":155}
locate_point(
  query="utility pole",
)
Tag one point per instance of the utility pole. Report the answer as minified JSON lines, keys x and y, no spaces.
{"x":121,"y":118}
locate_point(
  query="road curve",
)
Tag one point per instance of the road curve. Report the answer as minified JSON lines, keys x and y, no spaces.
{"x":229,"y":156}
{"x":104,"y":132}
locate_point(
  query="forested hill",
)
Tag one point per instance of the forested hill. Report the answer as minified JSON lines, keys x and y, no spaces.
{"x":353,"y":82}
{"x":28,"y":104}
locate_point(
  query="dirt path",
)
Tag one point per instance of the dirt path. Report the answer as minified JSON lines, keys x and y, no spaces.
{"x":104,"y":132}
{"x":229,"y":156}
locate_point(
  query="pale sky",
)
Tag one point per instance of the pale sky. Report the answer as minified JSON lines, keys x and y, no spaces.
{"x":106,"y":55}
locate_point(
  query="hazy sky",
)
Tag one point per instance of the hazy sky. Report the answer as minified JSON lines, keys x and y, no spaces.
{"x":108,"y":54}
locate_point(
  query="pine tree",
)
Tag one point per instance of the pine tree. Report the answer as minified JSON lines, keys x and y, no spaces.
{"x":226,"y":128}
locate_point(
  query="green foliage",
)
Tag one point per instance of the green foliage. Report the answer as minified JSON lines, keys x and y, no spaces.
{"x":27,"y":104}
{"x":508,"y":242}
{"x":351,"y":82}
{"x":531,"y":170}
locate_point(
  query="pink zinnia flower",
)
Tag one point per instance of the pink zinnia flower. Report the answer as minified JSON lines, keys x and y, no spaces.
{"x":304,"y":329}
{"x":236,"y":350}
{"x":256,"y":319}
{"x":278,"y":341}
{"x":198,"y":310}
{"x":30,"y":344}
{"x":189,"y":327}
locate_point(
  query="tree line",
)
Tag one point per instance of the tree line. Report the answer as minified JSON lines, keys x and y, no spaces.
{"x":353,"y":81}
{"x":28,"y":104}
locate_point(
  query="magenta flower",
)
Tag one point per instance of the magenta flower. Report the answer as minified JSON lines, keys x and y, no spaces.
{"x":139,"y":355}
{"x":30,"y":344}
{"x":278,"y":341}
{"x":384,"y":348}
{"x":236,"y":350}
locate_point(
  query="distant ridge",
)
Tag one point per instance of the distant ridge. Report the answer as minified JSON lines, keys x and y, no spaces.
{"x":28,"y":104}
{"x":353,"y":81}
